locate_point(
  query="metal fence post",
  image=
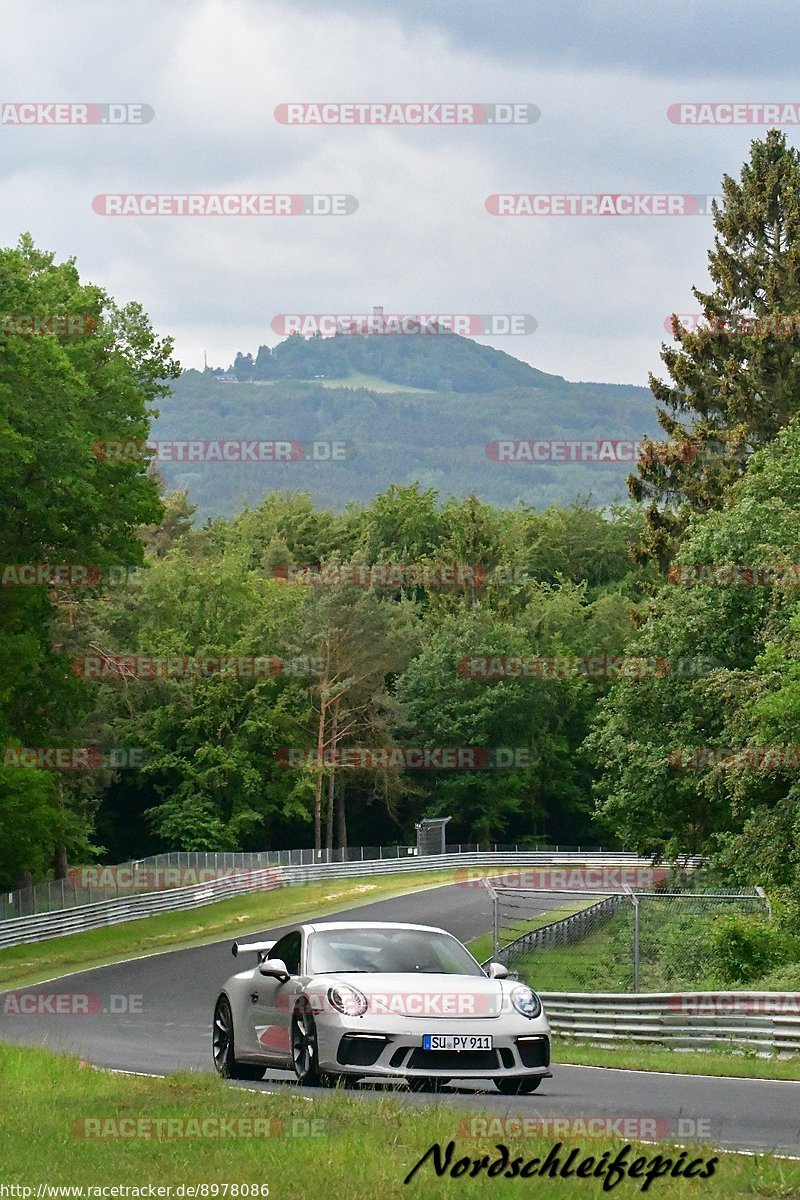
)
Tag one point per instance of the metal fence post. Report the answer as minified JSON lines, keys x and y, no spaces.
{"x":635,"y":942}
{"x":760,"y":892}
{"x":495,"y":920}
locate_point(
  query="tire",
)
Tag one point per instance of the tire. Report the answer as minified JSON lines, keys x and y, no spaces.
{"x":518,"y":1087}
{"x":426,"y":1083}
{"x":305,"y":1052}
{"x":222,"y":1046}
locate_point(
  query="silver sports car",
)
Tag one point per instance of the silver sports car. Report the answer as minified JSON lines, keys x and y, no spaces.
{"x":362,"y":999}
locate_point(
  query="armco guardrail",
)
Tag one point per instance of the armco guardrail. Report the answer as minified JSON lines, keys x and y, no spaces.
{"x":769,"y":1021}
{"x":569,"y":929}
{"x":37,"y":928}
{"x":179,"y":868}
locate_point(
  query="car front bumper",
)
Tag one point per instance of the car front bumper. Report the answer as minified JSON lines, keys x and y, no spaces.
{"x":399,"y":1053}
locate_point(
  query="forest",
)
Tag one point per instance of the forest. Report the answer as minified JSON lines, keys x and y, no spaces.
{"x":298,"y":671}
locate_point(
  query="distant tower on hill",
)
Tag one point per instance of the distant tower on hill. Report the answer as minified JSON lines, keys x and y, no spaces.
{"x":364,"y":325}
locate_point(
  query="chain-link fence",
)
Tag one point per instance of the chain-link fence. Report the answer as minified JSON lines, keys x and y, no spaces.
{"x":181,"y":868}
{"x":621,"y":940}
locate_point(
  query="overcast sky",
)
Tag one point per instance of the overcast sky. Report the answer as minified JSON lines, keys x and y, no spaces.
{"x":602,"y":72}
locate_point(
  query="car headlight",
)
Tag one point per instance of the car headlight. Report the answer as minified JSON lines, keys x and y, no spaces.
{"x":347,"y":1000}
{"x":526,"y":1002}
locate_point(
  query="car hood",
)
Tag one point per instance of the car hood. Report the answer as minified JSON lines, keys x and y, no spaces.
{"x":421,"y":995}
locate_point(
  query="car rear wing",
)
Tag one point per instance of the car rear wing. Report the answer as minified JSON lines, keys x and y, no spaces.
{"x":262,"y":949}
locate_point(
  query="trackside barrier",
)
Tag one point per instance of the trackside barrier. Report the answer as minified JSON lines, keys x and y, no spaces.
{"x":21,"y":930}
{"x":552,"y":952}
{"x":570,"y":929}
{"x":180,"y":868}
{"x":766,"y":1021}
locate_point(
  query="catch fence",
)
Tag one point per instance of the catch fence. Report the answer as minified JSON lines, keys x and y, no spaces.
{"x":180,"y":868}
{"x":620,"y":940}
{"x":219,"y":883}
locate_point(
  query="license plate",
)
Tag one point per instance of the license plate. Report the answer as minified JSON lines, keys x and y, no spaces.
{"x":456,"y":1041}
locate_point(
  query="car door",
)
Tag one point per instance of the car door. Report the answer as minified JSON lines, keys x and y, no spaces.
{"x":272,"y":1002}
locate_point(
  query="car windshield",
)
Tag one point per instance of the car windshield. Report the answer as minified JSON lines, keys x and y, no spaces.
{"x":404,"y":951}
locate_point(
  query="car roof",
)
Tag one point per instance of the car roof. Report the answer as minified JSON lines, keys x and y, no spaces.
{"x":317,"y":926}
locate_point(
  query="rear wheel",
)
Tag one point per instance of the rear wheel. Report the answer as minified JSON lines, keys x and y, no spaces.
{"x":518,"y":1087}
{"x":222,"y":1044}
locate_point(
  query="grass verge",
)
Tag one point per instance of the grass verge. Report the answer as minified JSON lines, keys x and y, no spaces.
{"x":632,"y":1056}
{"x":481,"y":947}
{"x":349,"y":1146}
{"x":21,"y":966}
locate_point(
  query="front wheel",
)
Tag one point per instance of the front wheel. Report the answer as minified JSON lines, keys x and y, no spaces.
{"x":518,"y":1087}
{"x":305,"y":1051}
{"x":222,"y":1044}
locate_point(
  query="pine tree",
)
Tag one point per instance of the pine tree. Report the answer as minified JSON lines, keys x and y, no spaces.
{"x":735,"y":382}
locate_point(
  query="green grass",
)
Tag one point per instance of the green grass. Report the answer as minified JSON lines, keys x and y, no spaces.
{"x":238,"y":916}
{"x":677,"y":954}
{"x":596,"y":963}
{"x":338,"y":1145}
{"x":481,"y":947}
{"x":356,"y":379}
{"x":632,"y":1056}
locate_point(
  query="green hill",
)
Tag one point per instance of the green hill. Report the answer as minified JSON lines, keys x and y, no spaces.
{"x":436,"y":361}
{"x":436,"y":435}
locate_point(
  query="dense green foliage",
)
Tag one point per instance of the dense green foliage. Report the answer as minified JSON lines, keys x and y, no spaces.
{"x":438,"y":439}
{"x":698,"y":752}
{"x":61,"y":503}
{"x":748,"y":695}
{"x":365,"y":667}
{"x":733,"y":382}
{"x":440,"y":362}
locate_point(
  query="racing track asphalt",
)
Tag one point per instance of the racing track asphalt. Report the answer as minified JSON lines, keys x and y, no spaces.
{"x":153,"y":1015}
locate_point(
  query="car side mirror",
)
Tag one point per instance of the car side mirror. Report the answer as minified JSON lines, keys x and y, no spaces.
{"x":497,"y":970}
{"x":275,"y":968}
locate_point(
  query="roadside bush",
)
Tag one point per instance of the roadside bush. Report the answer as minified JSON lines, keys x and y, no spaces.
{"x":780,"y":979}
{"x":744,"y":948}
